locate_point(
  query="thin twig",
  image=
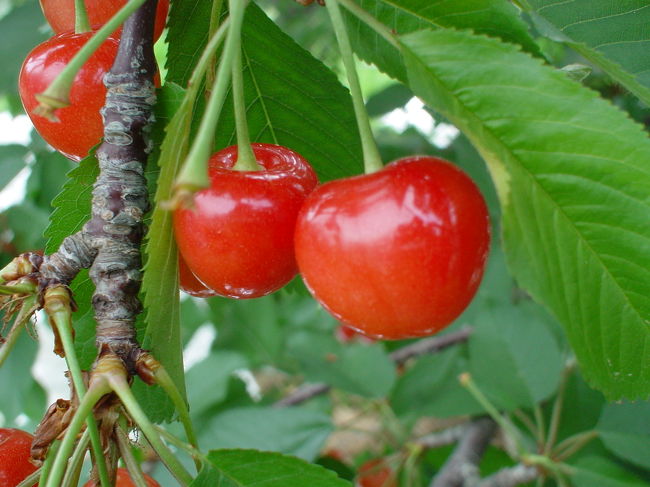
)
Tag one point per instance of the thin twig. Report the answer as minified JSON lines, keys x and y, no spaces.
{"x":462,"y":465}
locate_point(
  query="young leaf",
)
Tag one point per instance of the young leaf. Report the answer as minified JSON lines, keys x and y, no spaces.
{"x":573,"y":181}
{"x":245,"y":468}
{"x":497,"y":18}
{"x":612,"y":35}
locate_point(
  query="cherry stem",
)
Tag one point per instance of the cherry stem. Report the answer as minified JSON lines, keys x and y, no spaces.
{"x":61,"y":318}
{"x":124,"y":445}
{"x":558,"y":405}
{"x":75,"y":464}
{"x":189,"y":449}
{"x":57,"y":95}
{"x":508,"y":428}
{"x":31,"y":480}
{"x":47,"y":464}
{"x":84,"y":411}
{"x":371,"y":158}
{"x":194,"y":174}
{"x":81,"y":22}
{"x":165,"y":381}
{"x":574,"y":444}
{"x":215,"y":17}
{"x":246,"y":160}
{"x":22,"y":288}
{"x":370,"y":21}
{"x":123,"y":391}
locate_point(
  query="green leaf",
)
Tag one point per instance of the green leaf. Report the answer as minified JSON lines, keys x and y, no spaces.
{"x":357,"y":368}
{"x":251,"y":327}
{"x":47,"y":178}
{"x":73,"y":204}
{"x":247,"y":468}
{"x":293,"y":100}
{"x":613,"y":35}
{"x":573,"y":181}
{"x":506,"y":349}
{"x":71,"y":211}
{"x":207,"y":381}
{"x":295,"y":431}
{"x":26,"y":222}
{"x":161,"y":332}
{"x":12,"y":161}
{"x":417,"y":391}
{"x":592,"y":471}
{"x":497,"y":18}
{"x":188,"y":24}
{"x":625,"y":431}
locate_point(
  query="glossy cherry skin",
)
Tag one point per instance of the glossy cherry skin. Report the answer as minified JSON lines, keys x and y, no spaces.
{"x":376,"y":473}
{"x":80,"y":125}
{"x":60,"y":14}
{"x":189,"y":283}
{"x":398,"y":253}
{"x":238,"y":238}
{"x":123,"y":479}
{"x":14,"y":456}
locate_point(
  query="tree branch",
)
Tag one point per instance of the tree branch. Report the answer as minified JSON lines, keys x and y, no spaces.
{"x":400,"y":356}
{"x":462,"y":465}
{"x":120,"y":195}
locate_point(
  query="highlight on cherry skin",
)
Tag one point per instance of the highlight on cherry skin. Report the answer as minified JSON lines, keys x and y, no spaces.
{"x":398,"y":253}
{"x":15,"y":465}
{"x":79,"y":126}
{"x":237,"y":239}
{"x":60,"y":14}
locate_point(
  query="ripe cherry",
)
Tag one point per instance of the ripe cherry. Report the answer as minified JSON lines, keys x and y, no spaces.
{"x":14,"y":456}
{"x":376,"y":473}
{"x":80,"y":125}
{"x":238,"y":238}
{"x":123,"y":479}
{"x":61,"y":17}
{"x":397,"y":253}
{"x":189,"y":283}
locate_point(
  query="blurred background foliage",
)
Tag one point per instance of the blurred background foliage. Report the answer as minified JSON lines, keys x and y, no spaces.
{"x":241,"y":357}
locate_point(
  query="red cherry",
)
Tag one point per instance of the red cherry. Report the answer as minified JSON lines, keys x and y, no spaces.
{"x":80,"y":125}
{"x":397,"y":253}
{"x":14,"y":456}
{"x":238,"y":238}
{"x":123,"y":479}
{"x":189,"y":283}
{"x":376,"y":473}
{"x":60,"y":14}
